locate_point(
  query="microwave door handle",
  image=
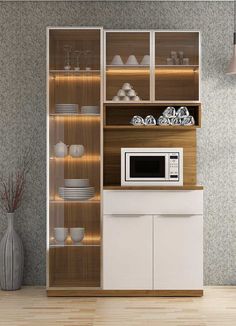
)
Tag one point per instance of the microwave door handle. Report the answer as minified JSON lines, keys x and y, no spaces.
{"x":167,"y":168}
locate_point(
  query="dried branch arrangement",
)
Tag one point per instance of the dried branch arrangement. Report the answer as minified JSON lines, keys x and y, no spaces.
{"x":12,"y":188}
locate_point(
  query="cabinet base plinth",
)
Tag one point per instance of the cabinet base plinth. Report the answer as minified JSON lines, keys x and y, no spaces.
{"x":123,"y":293}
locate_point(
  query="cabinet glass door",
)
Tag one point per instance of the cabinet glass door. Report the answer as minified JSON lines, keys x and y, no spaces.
{"x":74,"y":157}
{"x":127,"y":77}
{"x":177,"y":66}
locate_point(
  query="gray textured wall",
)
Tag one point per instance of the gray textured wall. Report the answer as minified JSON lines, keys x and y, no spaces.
{"x":23,"y":111}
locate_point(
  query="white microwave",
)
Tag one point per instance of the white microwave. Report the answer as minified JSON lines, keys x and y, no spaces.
{"x":152,"y":166}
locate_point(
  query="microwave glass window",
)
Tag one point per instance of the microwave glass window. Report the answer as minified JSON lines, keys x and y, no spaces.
{"x":147,"y":166}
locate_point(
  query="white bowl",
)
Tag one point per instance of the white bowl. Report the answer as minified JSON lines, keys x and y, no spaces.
{"x":132,"y":60}
{"x":76,"y":183}
{"x":117,"y":60}
{"x":115,"y":98}
{"x":135,"y":98}
{"x":60,"y":234}
{"x":126,"y":87}
{"x":76,"y":150}
{"x":121,"y":93}
{"x":125,"y":98}
{"x":77,"y":234}
{"x":145,"y":60}
{"x":90,"y":109}
{"x":131,"y":93}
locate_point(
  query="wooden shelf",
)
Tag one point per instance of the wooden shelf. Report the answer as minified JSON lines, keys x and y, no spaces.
{"x":74,"y":115}
{"x":73,"y":245}
{"x":89,"y":201}
{"x":178,"y":66}
{"x":157,"y":127}
{"x":74,"y":72}
{"x":184,"y":187}
{"x":128,"y":66}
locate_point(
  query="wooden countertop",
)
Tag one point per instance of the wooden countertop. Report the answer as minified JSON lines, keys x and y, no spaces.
{"x":184,"y":187}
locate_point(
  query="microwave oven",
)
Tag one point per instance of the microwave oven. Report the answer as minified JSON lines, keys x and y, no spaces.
{"x":152,"y":166}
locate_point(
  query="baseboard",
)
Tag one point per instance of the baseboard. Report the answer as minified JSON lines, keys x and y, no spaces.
{"x":122,"y":293}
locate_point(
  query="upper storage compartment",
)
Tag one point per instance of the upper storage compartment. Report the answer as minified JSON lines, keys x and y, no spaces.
{"x":127,"y":62}
{"x":176,"y":66}
{"x":151,"y":66}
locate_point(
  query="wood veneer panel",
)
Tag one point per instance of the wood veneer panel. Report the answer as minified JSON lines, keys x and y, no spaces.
{"x":122,"y":115}
{"x":127,"y":43}
{"x":75,"y":266}
{"x":114,"y":140}
{"x":177,"y":41}
{"x":78,"y":40}
{"x":124,"y":293}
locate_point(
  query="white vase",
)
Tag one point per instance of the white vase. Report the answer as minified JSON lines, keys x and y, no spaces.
{"x":11,"y":258}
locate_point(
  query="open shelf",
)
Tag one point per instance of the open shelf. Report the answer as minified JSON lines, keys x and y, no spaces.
{"x":147,"y":127}
{"x":119,"y":116}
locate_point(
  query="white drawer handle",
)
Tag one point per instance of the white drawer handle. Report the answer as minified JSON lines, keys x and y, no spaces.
{"x":126,"y":215}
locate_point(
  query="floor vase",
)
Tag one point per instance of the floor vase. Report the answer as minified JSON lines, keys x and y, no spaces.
{"x":11,"y":258}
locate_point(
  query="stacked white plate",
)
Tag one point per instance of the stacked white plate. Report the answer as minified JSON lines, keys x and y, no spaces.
{"x":80,"y":193}
{"x":67,"y":108}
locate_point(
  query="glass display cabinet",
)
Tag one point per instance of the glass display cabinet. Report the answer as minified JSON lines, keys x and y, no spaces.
{"x":127,"y":62}
{"x":74,"y":105}
{"x":176,"y":66}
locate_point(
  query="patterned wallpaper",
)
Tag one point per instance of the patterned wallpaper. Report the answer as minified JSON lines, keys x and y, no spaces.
{"x":23,"y":111}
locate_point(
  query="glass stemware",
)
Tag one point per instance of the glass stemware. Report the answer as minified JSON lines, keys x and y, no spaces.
{"x":77,"y":59}
{"x":67,"y":49}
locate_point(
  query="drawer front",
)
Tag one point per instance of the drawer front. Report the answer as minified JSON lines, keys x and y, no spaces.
{"x":153,"y":202}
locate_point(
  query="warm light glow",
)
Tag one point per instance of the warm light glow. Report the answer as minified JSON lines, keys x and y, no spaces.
{"x":75,"y":118}
{"x":128,"y":71}
{"x":83,"y":159}
{"x":177,"y":70}
{"x":57,"y":199}
{"x":72,"y":78}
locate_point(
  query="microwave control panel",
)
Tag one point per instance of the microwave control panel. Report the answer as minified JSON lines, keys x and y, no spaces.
{"x":174,"y":166}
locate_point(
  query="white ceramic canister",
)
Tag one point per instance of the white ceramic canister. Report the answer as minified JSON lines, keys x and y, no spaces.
{"x":60,"y":149}
{"x":76,"y":150}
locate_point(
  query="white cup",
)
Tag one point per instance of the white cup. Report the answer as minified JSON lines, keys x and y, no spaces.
{"x":131,"y":93}
{"x":115,"y":98}
{"x":77,"y":234}
{"x":145,"y":60}
{"x":121,"y":93}
{"x":126,"y":87}
{"x":60,"y":234}
{"x":135,"y":98}
{"x":125,"y":98}
{"x":117,"y":60}
{"x":132,"y":60}
{"x":76,"y":150}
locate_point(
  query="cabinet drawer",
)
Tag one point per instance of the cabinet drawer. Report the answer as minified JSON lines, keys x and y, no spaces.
{"x":153,"y":202}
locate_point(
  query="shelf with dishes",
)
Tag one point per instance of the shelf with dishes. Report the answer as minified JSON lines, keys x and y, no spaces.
{"x":152,"y":116}
{"x":72,"y":237}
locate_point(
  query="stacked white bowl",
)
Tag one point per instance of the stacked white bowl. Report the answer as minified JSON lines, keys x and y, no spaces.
{"x":126,"y":93}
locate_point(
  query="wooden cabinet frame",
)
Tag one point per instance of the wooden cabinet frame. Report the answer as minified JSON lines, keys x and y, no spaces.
{"x":98,"y":291}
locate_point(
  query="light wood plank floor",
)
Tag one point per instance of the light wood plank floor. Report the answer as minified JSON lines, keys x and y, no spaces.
{"x":31,"y":307}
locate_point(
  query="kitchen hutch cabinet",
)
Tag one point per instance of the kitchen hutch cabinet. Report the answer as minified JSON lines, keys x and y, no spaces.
{"x":104,"y":239}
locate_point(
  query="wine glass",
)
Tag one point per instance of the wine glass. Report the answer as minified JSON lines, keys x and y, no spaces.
{"x":67,"y":50}
{"x":77,"y":59}
{"x":87,"y":55}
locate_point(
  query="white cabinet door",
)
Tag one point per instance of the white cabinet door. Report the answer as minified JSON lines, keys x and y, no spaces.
{"x":178,"y":252}
{"x":127,"y":252}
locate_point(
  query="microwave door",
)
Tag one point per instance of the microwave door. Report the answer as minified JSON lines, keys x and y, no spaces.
{"x":143,"y":167}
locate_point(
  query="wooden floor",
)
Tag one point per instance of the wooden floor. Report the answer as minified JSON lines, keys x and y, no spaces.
{"x":30,"y":307}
